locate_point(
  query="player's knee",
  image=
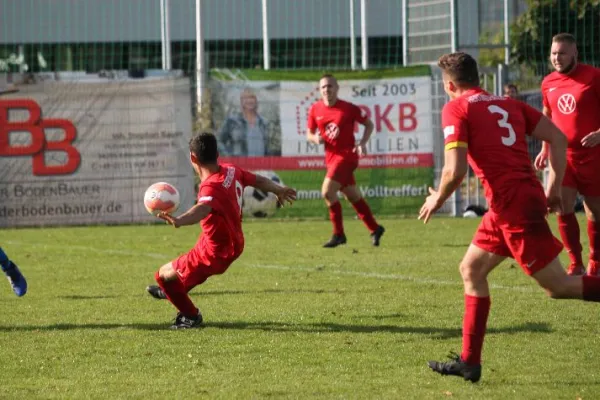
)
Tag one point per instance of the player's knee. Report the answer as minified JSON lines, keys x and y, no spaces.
{"x":329,"y":197}
{"x":470,"y":273}
{"x":166,"y":273}
{"x":558,"y":291}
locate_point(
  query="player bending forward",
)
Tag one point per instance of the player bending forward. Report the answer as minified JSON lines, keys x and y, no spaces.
{"x":491,"y":131}
{"x":219,"y":211}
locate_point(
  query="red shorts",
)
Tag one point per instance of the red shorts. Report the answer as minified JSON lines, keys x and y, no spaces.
{"x":194,"y":267}
{"x":583,"y":174}
{"x":520,"y":232}
{"x":342,"y":171}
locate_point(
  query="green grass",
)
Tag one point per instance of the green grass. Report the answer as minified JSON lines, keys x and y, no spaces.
{"x":312,"y":75}
{"x":287,"y":320}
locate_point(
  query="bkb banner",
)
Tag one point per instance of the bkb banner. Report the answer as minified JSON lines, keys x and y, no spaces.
{"x":83,"y":150}
{"x":260,"y":118}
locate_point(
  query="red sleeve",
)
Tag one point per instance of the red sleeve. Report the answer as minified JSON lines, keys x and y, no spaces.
{"x":247,"y":178}
{"x":545,"y":101}
{"x":454,"y":125}
{"x":532,"y":117}
{"x":359,"y":114}
{"x":208,"y":195}
{"x":311,"y":123}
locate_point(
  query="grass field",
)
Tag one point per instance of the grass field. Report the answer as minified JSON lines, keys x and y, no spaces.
{"x":288,"y":320}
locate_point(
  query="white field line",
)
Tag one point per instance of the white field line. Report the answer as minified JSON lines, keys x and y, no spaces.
{"x":325,"y":270}
{"x":397,"y":277}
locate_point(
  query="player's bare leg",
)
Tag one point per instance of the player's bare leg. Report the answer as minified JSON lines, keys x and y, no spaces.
{"x":592,"y":212}
{"x":189,"y":316}
{"x":364,"y":213}
{"x":559,"y":285}
{"x":329,"y":191}
{"x":474,"y":269}
{"x":569,"y":231}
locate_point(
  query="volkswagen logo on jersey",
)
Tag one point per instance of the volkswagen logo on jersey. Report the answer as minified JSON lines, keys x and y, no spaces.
{"x":566,"y":103}
{"x":332,"y":131}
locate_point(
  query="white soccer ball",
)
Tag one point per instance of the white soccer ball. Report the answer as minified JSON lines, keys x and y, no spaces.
{"x":161,"y":197}
{"x":257,"y":203}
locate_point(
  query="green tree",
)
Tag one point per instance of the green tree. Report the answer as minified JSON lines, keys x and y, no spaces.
{"x":490,"y":57}
{"x":531,"y":34}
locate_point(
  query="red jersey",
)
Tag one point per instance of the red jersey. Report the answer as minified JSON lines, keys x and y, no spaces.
{"x":574,"y":101}
{"x":336,"y":127}
{"x":222,"y":236}
{"x":493,"y":130}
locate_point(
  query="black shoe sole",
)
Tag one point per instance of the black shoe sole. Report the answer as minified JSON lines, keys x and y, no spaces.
{"x":154,"y":292}
{"x":376,"y":236}
{"x":331,"y":245}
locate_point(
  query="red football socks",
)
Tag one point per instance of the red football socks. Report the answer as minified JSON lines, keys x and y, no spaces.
{"x":475,"y":319}
{"x":335,"y":215}
{"x":365,"y":214}
{"x":591,"y":288}
{"x":593,"y":228}
{"x":569,"y":232}
{"x":177,"y":295}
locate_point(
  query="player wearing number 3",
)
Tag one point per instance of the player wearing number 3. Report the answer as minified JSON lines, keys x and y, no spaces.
{"x":219,"y":211}
{"x":488,"y":133}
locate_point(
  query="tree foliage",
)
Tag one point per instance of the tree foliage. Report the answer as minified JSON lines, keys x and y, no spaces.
{"x":531,"y":34}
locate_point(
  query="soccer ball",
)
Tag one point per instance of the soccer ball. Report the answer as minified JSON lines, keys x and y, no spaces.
{"x":161,"y":197}
{"x":259,"y":204}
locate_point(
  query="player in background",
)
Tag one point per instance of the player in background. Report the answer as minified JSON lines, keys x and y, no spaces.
{"x":511,"y":90}
{"x":571,"y":96}
{"x":488,"y":133}
{"x":15,"y":278}
{"x":219,"y":211}
{"x":335,"y":119}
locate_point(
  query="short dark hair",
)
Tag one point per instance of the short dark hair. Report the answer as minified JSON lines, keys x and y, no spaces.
{"x":328,"y":76}
{"x":564,"y":38}
{"x":461,"y":67}
{"x":511,"y":86}
{"x":204,"y":147}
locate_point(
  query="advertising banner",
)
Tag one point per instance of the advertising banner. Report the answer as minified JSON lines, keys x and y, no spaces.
{"x":260,"y":120}
{"x":83,"y":151}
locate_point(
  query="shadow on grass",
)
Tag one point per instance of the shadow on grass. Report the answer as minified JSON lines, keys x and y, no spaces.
{"x":323,"y":327}
{"x":210,"y":293}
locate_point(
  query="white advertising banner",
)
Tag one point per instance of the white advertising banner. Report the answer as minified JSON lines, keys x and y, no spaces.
{"x":400,"y":109}
{"x":84,"y":152}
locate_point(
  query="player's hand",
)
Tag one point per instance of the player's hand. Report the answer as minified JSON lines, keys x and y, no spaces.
{"x":430,"y":206}
{"x":169,"y":219}
{"x":286,"y":194}
{"x":360,"y":149}
{"x":541,"y":160}
{"x":591,"y":139}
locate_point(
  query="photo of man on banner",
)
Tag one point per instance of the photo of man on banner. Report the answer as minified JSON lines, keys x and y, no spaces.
{"x":247,"y":133}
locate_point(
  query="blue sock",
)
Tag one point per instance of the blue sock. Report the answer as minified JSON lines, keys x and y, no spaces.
{"x":4,"y":262}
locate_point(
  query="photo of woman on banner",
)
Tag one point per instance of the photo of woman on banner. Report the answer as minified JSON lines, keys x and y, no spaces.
{"x":246,"y":133}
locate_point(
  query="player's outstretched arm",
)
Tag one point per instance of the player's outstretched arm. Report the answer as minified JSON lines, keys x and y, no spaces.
{"x":556,"y":143}
{"x":455,"y":169}
{"x":284,"y":194}
{"x":192,"y":216}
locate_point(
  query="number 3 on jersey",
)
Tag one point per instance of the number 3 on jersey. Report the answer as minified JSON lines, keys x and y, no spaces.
{"x":503,"y":123}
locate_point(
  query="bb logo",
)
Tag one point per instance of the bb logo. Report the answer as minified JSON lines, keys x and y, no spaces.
{"x":332,"y":131}
{"x":566,"y":103}
{"x":39,"y":145}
